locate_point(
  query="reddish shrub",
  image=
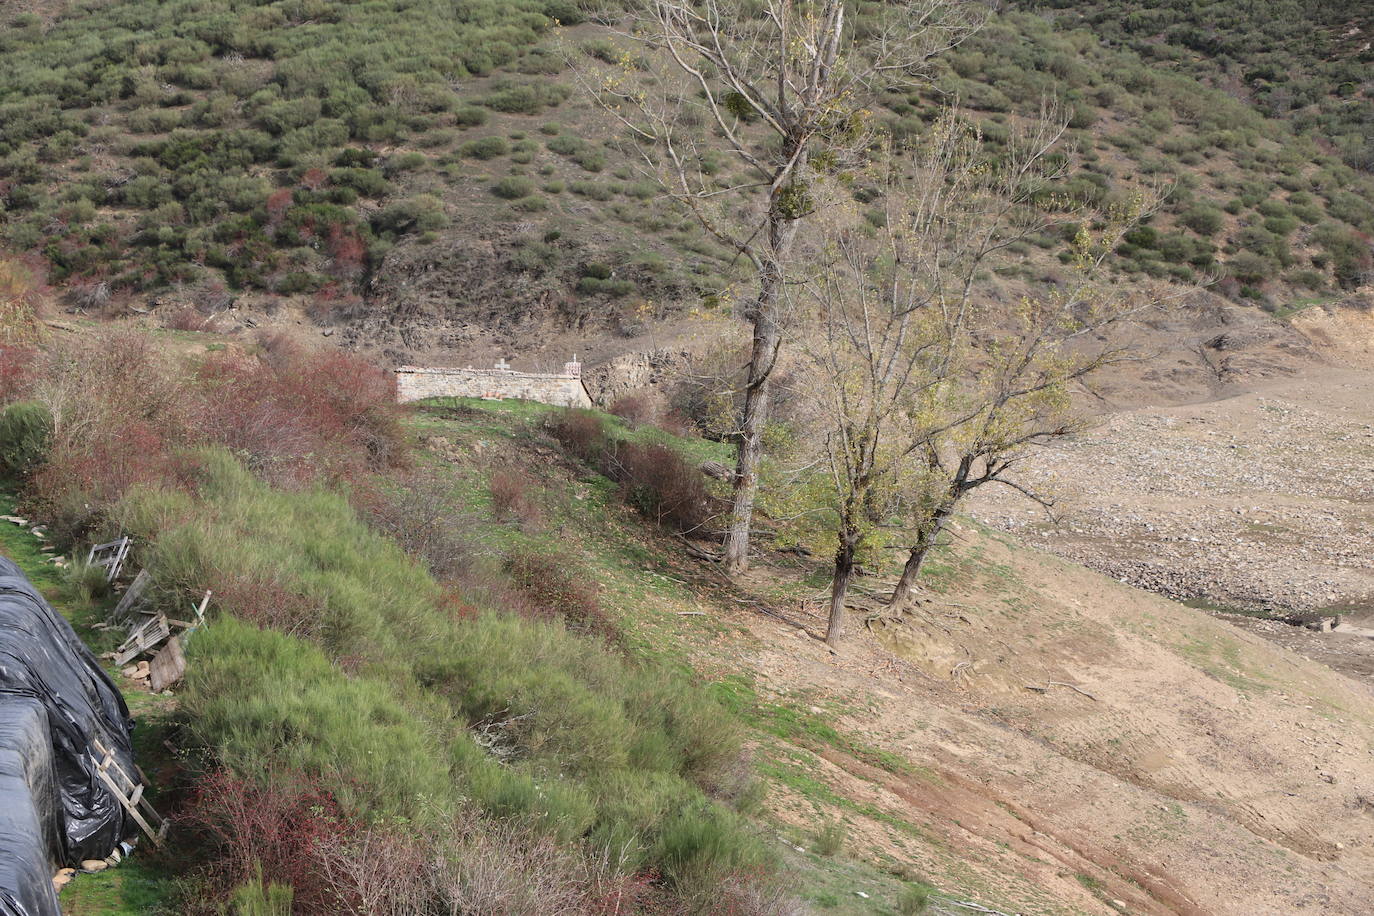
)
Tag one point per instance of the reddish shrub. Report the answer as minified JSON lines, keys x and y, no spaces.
{"x":123,"y":414}
{"x":314,"y":179}
{"x":294,"y":414}
{"x":278,"y":202}
{"x":347,"y":251}
{"x":190,"y":318}
{"x":662,"y":485}
{"x":282,"y":826}
{"x":635,"y":408}
{"x":582,"y":433}
{"x":332,"y":304}
{"x":511,"y":497}
{"x":257,"y":597}
{"x":16,"y":372}
{"x":556,"y":590}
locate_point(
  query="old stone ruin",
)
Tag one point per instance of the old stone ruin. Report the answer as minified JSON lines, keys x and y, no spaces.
{"x":562,"y":389}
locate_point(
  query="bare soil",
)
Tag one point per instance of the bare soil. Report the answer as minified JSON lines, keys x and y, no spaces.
{"x":1196,"y":769}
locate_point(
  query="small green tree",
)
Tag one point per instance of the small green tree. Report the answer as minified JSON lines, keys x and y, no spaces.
{"x":919,"y":391}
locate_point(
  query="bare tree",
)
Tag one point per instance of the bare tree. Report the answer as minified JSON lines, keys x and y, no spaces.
{"x":920,"y":389}
{"x":781,"y":88}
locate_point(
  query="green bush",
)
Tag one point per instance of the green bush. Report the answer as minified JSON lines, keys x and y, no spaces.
{"x":414,"y":214}
{"x":25,"y":434}
{"x":470,"y":116}
{"x":512,"y":187}
{"x":914,"y":899}
{"x":830,"y":839}
{"x":484,"y":148}
{"x":253,"y":898}
{"x":524,"y":96}
{"x":400,"y":708}
{"x":1205,"y":220}
{"x":531,"y":204}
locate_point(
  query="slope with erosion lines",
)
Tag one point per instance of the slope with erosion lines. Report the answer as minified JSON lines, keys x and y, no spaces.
{"x":1209,"y":771}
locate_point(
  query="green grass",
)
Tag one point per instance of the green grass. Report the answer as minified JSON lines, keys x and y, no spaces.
{"x":532,"y":414}
{"x":23,"y":548}
{"x":376,"y":701}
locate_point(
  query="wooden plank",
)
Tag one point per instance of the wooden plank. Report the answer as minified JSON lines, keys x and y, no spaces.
{"x":110,"y":761}
{"x":118,"y":562}
{"x":131,"y":595}
{"x":167,"y":667}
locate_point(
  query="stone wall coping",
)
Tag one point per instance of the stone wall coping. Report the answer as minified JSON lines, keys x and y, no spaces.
{"x":501,"y":373}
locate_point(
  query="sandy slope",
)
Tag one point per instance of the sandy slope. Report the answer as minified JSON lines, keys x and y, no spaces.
{"x":1211,"y":771}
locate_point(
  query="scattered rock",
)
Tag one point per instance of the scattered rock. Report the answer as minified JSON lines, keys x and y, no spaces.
{"x":91,"y":866}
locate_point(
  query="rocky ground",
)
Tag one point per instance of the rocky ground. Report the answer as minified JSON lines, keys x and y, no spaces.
{"x":1263,"y":501}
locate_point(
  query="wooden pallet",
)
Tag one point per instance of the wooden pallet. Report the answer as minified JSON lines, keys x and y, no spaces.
{"x":110,"y":555}
{"x":145,"y":637}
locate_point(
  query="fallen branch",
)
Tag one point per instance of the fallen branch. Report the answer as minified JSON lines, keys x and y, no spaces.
{"x":1046,"y":689}
{"x":1074,"y":688}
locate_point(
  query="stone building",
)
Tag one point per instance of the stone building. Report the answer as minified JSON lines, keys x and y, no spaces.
{"x":564,"y":389}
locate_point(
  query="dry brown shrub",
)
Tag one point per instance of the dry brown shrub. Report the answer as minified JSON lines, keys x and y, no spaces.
{"x":514,"y":497}
{"x":662,"y":485}
{"x":582,"y":433}
{"x":421,"y":517}
{"x":190,"y":318}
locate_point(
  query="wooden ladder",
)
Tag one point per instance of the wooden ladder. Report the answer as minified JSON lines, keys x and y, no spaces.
{"x":130,"y":794}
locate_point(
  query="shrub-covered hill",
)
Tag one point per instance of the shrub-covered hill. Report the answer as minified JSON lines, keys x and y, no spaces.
{"x":1305,"y":61}
{"x":427,"y":172}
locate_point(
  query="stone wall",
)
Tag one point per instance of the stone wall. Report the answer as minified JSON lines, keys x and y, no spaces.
{"x":414,"y":383}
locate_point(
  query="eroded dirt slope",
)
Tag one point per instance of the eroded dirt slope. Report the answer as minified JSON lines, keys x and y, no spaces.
{"x":1196,"y":769}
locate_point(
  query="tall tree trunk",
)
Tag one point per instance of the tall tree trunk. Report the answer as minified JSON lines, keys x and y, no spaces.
{"x":763,"y":355}
{"x":926,"y":537}
{"x":839,"y":588}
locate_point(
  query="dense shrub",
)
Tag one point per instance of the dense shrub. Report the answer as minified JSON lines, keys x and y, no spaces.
{"x":581,"y":432}
{"x":278,"y":828}
{"x":25,"y":437}
{"x":485,"y":148}
{"x":662,"y":485}
{"x":513,"y":186}
{"x":560,"y":590}
{"x":635,"y":408}
{"x":1204,"y":220}
{"x":294,"y":415}
{"x":419,"y":514}
{"x":16,"y":371}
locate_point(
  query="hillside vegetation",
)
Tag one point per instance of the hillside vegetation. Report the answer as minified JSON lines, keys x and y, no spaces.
{"x":374,"y":162}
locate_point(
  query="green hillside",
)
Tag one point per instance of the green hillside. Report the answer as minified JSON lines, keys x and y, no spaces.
{"x":283,"y":150}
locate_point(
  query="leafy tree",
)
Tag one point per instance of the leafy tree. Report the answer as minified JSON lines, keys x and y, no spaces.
{"x":783,"y":88}
{"x":920,"y":390}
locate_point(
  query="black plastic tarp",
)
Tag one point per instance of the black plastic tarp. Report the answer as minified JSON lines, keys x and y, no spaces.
{"x":55,"y":703}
